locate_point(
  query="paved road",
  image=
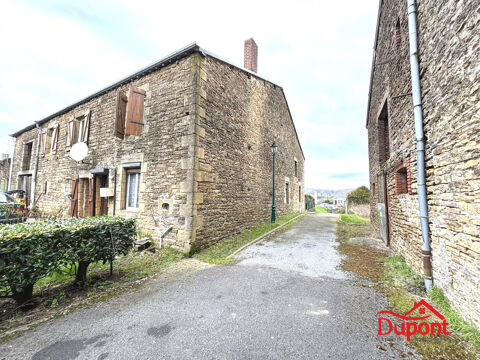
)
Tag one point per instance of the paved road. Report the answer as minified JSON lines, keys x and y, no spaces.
{"x":285,"y":299}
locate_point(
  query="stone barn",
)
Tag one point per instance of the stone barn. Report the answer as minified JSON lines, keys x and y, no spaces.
{"x":448,"y":36}
{"x":182,"y":145}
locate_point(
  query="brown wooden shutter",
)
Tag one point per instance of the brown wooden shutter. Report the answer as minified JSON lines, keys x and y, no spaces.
{"x":43,"y":142}
{"x":54,"y":139}
{"x":121,"y":114}
{"x":86,"y":127}
{"x":135,"y":111}
{"x":74,"y":197}
{"x":70,"y":129}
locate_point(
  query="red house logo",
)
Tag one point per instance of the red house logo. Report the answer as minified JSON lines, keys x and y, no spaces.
{"x":410,"y":325}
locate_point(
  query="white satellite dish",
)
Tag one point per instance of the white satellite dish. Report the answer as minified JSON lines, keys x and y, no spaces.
{"x":79,"y":151}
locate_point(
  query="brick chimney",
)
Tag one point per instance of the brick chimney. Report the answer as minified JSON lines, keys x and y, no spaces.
{"x":250,"y":55}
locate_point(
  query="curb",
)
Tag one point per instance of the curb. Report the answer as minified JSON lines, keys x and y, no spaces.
{"x":263,"y":236}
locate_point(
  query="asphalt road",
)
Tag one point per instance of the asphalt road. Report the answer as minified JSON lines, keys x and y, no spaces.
{"x":284,"y":299}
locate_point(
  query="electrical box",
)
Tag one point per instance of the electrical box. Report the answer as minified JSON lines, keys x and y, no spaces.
{"x":106,"y":192}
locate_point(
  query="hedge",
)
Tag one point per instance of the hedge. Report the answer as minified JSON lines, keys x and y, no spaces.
{"x":30,"y":251}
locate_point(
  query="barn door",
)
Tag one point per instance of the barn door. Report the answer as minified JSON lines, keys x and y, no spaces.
{"x":74,"y":197}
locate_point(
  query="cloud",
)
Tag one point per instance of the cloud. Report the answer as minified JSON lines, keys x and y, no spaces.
{"x":319,"y":52}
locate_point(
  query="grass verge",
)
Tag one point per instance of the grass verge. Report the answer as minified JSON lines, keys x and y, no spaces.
{"x":56,"y":295}
{"x":354,"y":219}
{"x":217,"y":253}
{"x":320,"y":209}
{"x":402,"y":286}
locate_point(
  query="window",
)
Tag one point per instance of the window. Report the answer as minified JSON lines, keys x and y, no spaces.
{"x":383,"y":135}
{"x":373,"y":189}
{"x":133,"y":187}
{"x":287,"y":193}
{"x":299,"y":194}
{"x":27,"y":155}
{"x":50,"y":141}
{"x":401,"y":181}
{"x":78,"y":129}
{"x":398,"y":33}
{"x":296,"y":168}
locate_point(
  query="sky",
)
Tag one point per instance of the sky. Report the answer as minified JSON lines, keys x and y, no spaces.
{"x":56,"y":52}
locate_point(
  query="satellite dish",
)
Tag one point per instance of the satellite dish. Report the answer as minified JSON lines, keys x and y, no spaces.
{"x":79,"y":151}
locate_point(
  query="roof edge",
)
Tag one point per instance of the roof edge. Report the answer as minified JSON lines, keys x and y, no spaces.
{"x":373,"y":60}
{"x":185,"y":51}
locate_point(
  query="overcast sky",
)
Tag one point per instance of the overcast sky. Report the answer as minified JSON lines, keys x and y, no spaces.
{"x":56,"y":52}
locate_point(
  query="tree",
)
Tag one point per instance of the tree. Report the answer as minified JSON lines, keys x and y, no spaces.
{"x":360,"y":195}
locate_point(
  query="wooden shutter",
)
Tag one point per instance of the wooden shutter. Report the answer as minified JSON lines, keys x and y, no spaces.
{"x":74,"y":197}
{"x":54,"y":139}
{"x":120,"y":115}
{"x":86,"y":127}
{"x":135,"y":111}
{"x":43,"y":142}
{"x":70,"y":129}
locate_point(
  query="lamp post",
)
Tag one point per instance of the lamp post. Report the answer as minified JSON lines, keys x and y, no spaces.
{"x":274,"y":148}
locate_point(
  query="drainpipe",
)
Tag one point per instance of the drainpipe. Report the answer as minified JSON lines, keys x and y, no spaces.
{"x":418,"y":115}
{"x":35,"y":167}
{"x":9,"y":185}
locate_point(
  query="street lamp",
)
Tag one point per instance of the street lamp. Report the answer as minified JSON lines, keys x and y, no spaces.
{"x":274,"y":148}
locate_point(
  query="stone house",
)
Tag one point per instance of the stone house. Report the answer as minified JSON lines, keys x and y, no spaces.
{"x":4,"y":171}
{"x":183,"y":145}
{"x":449,"y":68}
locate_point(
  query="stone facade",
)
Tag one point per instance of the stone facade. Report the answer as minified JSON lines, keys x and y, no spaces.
{"x":4,"y":171}
{"x":449,"y":43}
{"x":204,"y":169}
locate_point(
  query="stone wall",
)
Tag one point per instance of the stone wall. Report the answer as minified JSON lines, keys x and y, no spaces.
{"x":448,"y":44}
{"x":241,"y":115}
{"x":161,"y":150}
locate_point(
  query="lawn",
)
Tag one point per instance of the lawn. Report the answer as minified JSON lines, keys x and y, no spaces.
{"x":320,"y":209}
{"x":354,"y":219}
{"x":218,"y":253}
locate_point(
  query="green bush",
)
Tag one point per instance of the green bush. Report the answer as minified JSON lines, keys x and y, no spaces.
{"x":359,"y":196}
{"x":30,"y":251}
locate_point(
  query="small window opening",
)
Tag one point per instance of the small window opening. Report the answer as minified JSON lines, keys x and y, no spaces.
{"x":401,"y":181}
{"x":165,"y":206}
{"x":398,"y":33}
{"x":373,"y":189}
{"x":296,"y":168}
{"x":383,"y":135}
{"x":287,"y":193}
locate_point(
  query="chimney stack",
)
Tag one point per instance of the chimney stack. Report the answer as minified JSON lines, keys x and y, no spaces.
{"x":250,"y":55}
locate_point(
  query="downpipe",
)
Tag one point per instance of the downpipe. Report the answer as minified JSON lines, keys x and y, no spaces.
{"x":419,"y":135}
{"x":35,"y":167}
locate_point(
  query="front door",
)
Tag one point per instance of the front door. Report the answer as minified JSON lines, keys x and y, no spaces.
{"x":26,"y":185}
{"x":101,"y":203}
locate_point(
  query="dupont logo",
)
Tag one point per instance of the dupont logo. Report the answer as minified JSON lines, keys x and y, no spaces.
{"x":409,"y":325}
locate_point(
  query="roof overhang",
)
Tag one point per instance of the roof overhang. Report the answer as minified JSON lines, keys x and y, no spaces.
{"x":372,"y":71}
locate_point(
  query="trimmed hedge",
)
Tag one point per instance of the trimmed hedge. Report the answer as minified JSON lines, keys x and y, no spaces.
{"x":30,"y":251}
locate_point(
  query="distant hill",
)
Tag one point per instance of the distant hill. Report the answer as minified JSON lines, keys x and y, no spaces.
{"x":335,"y":194}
